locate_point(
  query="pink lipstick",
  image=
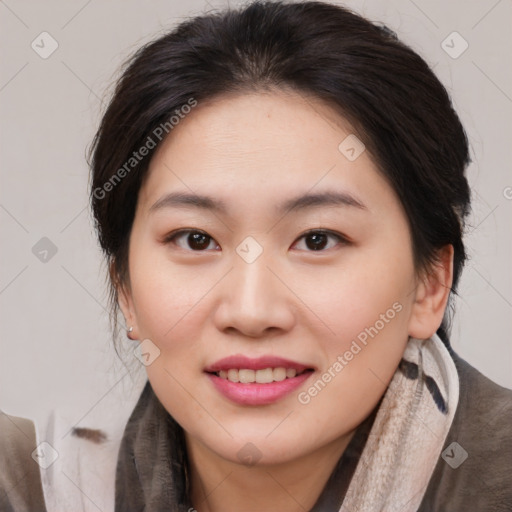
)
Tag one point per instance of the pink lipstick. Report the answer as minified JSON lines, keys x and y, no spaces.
{"x":257,"y":381}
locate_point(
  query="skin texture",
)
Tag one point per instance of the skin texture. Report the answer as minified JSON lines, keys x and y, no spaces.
{"x":254,"y":151}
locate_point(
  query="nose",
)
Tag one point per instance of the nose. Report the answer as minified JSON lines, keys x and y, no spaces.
{"x":254,"y":302}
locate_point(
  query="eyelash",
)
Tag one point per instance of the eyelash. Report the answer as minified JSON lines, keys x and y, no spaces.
{"x":171,"y":237}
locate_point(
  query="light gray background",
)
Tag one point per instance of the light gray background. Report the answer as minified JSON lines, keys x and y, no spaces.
{"x":56,"y":349}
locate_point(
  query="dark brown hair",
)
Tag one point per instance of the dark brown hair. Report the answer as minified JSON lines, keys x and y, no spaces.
{"x":392,"y":98}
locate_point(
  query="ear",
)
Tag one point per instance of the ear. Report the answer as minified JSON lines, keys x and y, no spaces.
{"x":431,"y":296}
{"x":125,"y":301}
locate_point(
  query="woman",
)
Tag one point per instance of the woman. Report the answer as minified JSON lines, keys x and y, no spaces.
{"x":283,"y":221}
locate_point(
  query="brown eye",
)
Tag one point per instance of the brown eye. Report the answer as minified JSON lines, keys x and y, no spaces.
{"x":319,"y":239}
{"x":194,"y":240}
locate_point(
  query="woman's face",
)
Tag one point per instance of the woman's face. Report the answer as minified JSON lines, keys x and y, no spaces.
{"x":230,"y":284}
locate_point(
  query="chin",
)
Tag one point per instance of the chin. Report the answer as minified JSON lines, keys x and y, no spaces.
{"x":259,"y":449}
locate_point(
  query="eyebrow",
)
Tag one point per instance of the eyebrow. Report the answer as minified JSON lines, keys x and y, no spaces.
{"x":308,"y":200}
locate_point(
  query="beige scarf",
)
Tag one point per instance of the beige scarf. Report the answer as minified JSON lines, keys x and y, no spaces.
{"x":409,"y":431}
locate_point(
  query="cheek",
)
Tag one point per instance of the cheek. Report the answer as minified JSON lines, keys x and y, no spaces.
{"x":170,"y":312}
{"x":366,"y":291}
{"x":165,"y":296}
{"x":368,"y":309}
{"x":366,"y":306}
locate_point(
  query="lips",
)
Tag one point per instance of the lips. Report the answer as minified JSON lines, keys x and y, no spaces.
{"x":256,"y":381}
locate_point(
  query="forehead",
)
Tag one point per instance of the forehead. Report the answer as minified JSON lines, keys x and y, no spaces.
{"x":261,"y":125}
{"x":261,"y":146}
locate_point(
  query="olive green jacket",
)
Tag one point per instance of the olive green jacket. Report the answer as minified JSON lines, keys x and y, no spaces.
{"x":482,"y":427}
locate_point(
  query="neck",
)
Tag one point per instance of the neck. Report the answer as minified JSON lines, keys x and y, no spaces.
{"x":218,"y":484}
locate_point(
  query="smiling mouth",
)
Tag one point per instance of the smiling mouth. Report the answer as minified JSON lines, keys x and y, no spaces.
{"x":263,"y":376}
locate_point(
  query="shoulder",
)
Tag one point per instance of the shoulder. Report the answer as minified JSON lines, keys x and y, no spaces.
{"x":80,"y":463}
{"x":479,"y":394}
{"x":475,"y":468}
{"x":71,"y":455}
{"x":56,"y":466}
{"x":20,"y":480}
{"x":86,"y":444}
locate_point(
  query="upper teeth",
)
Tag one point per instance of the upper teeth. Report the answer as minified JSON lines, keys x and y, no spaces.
{"x":260,"y":376}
